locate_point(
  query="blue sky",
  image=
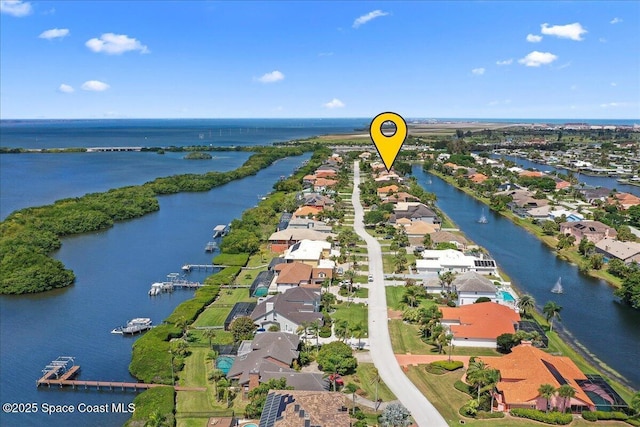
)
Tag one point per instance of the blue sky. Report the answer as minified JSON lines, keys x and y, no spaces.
{"x":207,"y":59}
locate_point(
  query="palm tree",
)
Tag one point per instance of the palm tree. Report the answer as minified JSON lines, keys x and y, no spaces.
{"x":551,"y":310}
{"x":410,"y":296}
{"x":635,"y":403}
{"x":527,"y":304}
{"x":315,"y":328}
{"x":182,"y":324}
{"x":446,"y":279}
{"x":215,"y":376}
{"x":210,"y":334}
{"x":376,"y":380}
{"x":352,"y":388}
{"x":493,"y":378}
{"x":358,"y":331}
{"x":547,"y":391}
{"x":566,"y":392}
{"x":477,"y":375}
{"x":350,"y":275}
{"x":302,"y":330}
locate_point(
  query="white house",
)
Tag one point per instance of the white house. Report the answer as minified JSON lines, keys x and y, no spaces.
{"x":441,"y":261}
{"x":310,"y":252}
{"x":470,"y":286}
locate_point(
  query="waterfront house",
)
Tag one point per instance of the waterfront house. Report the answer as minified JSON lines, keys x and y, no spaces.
{"x":304,"y":223}
{"x":594,"y":195}
{"x":479,"y":325}
{"x":295,"y":274}
{"x":240,"y":309}
{"x":441,"y":261}
{"x":414,"y":211}
{"x":293,"y":408}
{"x":624,"y":200}
{"x":324,"y":184}
{"x":283,"y":223}
{"x":306,"y":212}
{"x":289,"y":310}
{"x":400,"y":197}
{"x":594,"y":231}
{"x":478,"y":178}
{"x":624,"y":251}
{"x":316,"y":199}
{"x":384,"y":191}
{"x":316,"y":253}
{"x":282,"y":240}
{"x":419,"y":229}
{"x":260,"y":285}
{"x":448,"y":237}
{"x":471,"y":285}
{"x":525,"y":369}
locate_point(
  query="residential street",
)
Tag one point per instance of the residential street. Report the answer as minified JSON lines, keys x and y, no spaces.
{"x":423,"y":412}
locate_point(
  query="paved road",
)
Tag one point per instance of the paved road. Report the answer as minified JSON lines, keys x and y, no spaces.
{"x":423,"y":412}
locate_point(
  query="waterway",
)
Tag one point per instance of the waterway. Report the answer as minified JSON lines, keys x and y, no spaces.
{"x":595,"y":181}
{"x":591,"y":313}
{"x":114,"y":271}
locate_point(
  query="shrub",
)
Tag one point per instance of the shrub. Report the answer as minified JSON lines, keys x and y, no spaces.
{"x":465,"y":388}
{"x":633,"y":421}
{"x":157,"y":399}
{"x":602,"y":415}
{"x":448,"y":365}
{"x":482,"y":415}
{"x":556,"y":418}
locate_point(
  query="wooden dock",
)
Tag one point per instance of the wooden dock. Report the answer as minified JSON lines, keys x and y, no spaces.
{"x":220,"y":230}
{"x":66,"y":380}
{"x":210,"y":247}
{"x":189,"y":267}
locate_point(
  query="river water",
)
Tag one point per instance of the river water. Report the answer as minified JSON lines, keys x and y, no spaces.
{"x":114,"y":270}
{"x":591,"y":313}
{"x":596,"y":181}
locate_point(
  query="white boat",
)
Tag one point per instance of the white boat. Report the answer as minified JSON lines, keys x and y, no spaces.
{"x":483,"y":219}
{"x":557,"y":288}
{"x":134,"y":326}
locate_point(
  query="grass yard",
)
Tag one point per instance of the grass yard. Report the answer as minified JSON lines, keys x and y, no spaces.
{"x":352,"y":313}
{"x":358,"y":292}
{"x":216,"y":313}
{"x":394,"y":297}
{"x":405,"y":338}
{"x":364,"y":378}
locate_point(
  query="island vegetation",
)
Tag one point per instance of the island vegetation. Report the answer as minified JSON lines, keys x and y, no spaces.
{"x":198,"y":155}
{"x":29,"y":236}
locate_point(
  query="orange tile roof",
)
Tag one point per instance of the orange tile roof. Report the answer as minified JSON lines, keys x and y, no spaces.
{"x":522,"y":372}
{"x":325,"y":173}
{"x":451,"y":165}
{"x":303,"y":211}
{"x":534,"y":174}
{"x":309,"y":177}
{"x":486,"y":320}
{"x":479,"y":178}
{"x":325,"y":182}
{"x":294,"y":272}
{"x":562,"y":184}
{"x":388,"y":189}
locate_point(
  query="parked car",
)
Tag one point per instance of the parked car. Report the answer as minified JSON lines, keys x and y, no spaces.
{"x":371,"y":277}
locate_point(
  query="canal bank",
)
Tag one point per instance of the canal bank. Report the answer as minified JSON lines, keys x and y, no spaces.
{"x":609,"y":331}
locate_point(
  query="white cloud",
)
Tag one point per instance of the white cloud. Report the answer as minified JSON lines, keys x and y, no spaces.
{"x":17,"y":8}
{"x":536,"y":59}
{"x":334,"y":103}
{"x":570,"y":31}
{"x":95,"y":86}
{"x":505,"y":62}
{"x":504,"y":102}
{"x":574,"y":87}
{"x":272,"y":77}
{"x":602,"y":40}
{"x":65,"y":88}
{"x":115,"y":44}
{"x":615,"y":21}
{"x":532,"y":38}
{"x":325,"y":54}
{"x":368,"y":17}
{"x":614,"y":84}
{"x":478,"y":71}
{"x":54,"y":33}
{"x":610,"y":104}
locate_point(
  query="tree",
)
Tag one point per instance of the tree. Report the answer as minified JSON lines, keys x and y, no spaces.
{"x":547,"y":391}
{"x":527,"y":304}
{"x":596,"y":261}
{"x":336,"y":357}
{"x":630,"y":290}
{"x":586,"y":247}
{"x":479,"y":375}
{"x":426,"y":241}
{"x":505,"y":343}
{"x":635,"y":403}
{"x":352,"y":388}
{"x":239,"y":241}
{"x":209,"y":334}
{"x":215,"y":376}
{"x":566,"y":392}
{"x":349,"y":275}
{"x":182,"y":324}
{"x":395,"y":415}
{"x":376,"y":379}
{"x":242,"y":328}
{"x":156,"y":419}
{"x":258,"y":396}
{"x":625,"y":234}
{"x":446,"y":279}
{"x":412,"y":294}
{"x":358,"y":331}
{"x":551,"y":310}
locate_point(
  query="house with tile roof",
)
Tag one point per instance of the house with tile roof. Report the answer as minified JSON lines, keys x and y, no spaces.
{"x":594,"y":231}
{"x":307,"y":212}
{"x":478,"y":178}
{"x":384,"y":191}
{"x":291,"y":275}
{"x":414,"y":211}
{"x":471,"y":285}
{"x":324,"y":184}
{"x":420,"y":228}
{"x":624,"y":200}
{"x":282,"y":240}
{"x":449,"y":237}
{"x":525,"y":369}
{"x":316,"y":199}
{"x":624,"y":251}
{"x":294,"y":408}
{"x":479,"y":325}
{"x":289,"y":310}
{"x":400,"y":197}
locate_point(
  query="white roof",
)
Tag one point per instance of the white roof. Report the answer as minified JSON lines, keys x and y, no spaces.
{"x":445,"y":258}
{"x":307,"y":250}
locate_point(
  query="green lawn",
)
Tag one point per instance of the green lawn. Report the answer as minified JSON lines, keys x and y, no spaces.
{"x":394,"y":297}
{"x":352,"y":313}
{"x":216,"y":313}
{"x":364,"y":379}
{"x":358,"y":293}
{"x":405,"y":338}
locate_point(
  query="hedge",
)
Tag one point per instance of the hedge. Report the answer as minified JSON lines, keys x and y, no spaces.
{"x":160,"y":399}
{"x":231,"y":259}
{"x":465,"y":388}
{"x":633,"y":421}
{"x":448,"y":365}
{"x":556,"y":418}
{"x":602,"y":415}
{"x":482,"y":415}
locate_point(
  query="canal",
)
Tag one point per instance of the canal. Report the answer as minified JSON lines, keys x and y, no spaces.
{"x":591,"y":314}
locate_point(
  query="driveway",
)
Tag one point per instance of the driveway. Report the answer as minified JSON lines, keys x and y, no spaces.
{"x":423,"y":412}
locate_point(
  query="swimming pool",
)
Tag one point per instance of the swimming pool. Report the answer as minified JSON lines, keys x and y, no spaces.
{"x":224,"y":363}
{"x":507,"y":296}
{"x":250,"y":425}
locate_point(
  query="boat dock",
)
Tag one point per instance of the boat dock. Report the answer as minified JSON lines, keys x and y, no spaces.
{"x":220,"y":230}
{"x":189,"y":267}
{"x":210,"y":247}
{"x":61,"y":374}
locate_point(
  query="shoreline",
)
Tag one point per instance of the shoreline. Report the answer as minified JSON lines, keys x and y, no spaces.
{"x":560,"y":330}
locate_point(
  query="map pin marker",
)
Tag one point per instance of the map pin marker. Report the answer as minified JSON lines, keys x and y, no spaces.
{"x":388,"y":146}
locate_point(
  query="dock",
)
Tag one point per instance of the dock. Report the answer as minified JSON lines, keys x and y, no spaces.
{"x":65,"y":374}
{"x":189,"y":267}
{"x":220,"y":230}
{"x":210,"y":247}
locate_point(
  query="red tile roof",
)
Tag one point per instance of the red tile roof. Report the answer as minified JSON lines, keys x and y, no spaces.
{"x":485,"y":320}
